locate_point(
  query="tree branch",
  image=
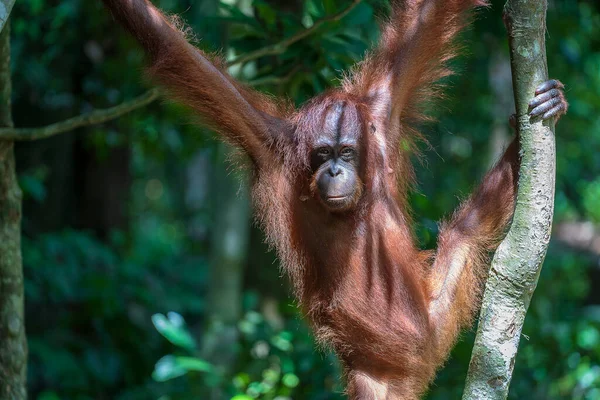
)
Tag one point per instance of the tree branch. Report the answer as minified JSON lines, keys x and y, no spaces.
{"x":517,"y":263}
{"x":280,"y":47}
{"x":276,"y":80}
{"x":5,"y":9}
{"x":94,"y":117}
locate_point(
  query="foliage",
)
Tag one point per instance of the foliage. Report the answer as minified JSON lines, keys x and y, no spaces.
{"x":276,"y":363}
{"x":89,"y":309}
{"x":91,"y":298}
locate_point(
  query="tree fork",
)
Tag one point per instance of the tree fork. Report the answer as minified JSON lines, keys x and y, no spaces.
{"x":13,"y":344}
{"x":517,"y":263}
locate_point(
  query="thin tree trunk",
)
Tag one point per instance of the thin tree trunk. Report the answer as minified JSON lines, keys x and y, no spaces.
{"x":229,"y":249}
{"x":231,"y":235}
{"x":13,"y":345}
{"x":517,"y":263}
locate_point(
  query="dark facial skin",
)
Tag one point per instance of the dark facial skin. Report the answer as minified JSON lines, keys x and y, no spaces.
{"x":334,"y":161}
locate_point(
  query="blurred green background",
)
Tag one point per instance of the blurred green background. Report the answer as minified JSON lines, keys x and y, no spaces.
{"x":145,"y":278}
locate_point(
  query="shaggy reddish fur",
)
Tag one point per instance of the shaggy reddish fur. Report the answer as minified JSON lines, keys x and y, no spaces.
{"x":390,"y":310}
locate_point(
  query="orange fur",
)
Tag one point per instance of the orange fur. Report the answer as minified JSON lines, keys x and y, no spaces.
{"x":390,"y":310}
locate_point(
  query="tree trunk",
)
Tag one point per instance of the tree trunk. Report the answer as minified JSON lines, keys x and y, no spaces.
{"x":229,"y":244}
{"x":231,"y":234}
{"x":13,"y":344}
{"x":517,"y":263}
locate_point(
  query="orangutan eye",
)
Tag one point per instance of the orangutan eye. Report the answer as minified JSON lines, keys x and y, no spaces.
{"x":324,"y":152}
{"x":347,"y":153}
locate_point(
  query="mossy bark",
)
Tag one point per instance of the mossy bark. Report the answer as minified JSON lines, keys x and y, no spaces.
{"x":517,"y":263}
{"x":5,"y":9}
{"x":13,"y":345}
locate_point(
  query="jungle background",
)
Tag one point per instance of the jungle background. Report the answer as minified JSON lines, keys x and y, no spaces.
{"x":145,"y":276}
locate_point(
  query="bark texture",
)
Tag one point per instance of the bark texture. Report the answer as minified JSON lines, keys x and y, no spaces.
{"x":13,"y":345}
{"x":5,"y":9}
{"x":517,"y":263}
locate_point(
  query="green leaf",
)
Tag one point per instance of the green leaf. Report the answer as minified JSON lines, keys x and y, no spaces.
{"x":266,"y":13}
{"x":174,"y":330}
{"x":166,"y":369}
{"x":330,"y":7}
{"x":290,"y":380}
{"x":194,"y":364}
{"x":360,"y":15}
{"x":171,"y":367}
